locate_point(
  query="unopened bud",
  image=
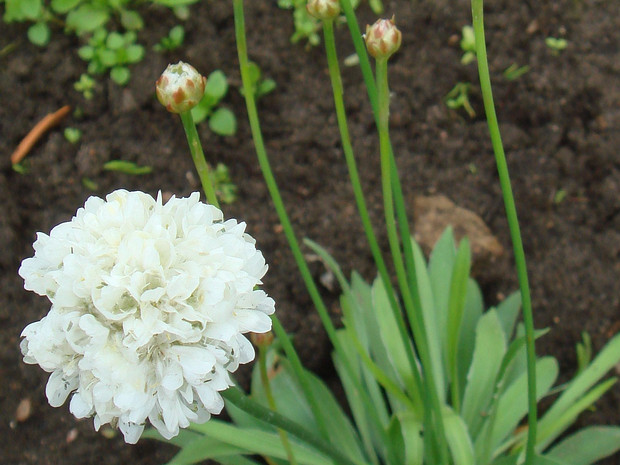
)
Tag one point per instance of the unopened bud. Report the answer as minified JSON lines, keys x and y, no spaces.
{"x":262,"y":339}
{"x":323,"y":9}
{"x":180,"y":87}
{"x":382,"y":38}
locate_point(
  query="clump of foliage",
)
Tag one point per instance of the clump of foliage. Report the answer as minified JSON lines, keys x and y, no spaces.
{"x":108,"y":27}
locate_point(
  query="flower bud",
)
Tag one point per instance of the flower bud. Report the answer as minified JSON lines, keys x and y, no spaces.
{"x":382,"y":38}
{"x":323,"y":9}
{"x":180,"y":87}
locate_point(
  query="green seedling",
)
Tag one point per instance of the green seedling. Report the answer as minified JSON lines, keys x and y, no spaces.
{"x":260,"y":86}
{"x":72,"y":135}
{"x":112,"y":51}
{"x":307,"y":27}
{"x":556,"y":44}
{"x":21,"y":168}
{"x":225,"y":189}
{"x":86,"y":85}
{"x":222,"y":121}
{"x":468,"y":45}
{"x":127,"y":167}
{"x":559,"y":196}
{"x":89,"y":184}
{"x":89,"y":20}
{"x":172,"y":41}
{"x":584,"y":352}
{"x":458,"y":97}
{"x":515,"y":71}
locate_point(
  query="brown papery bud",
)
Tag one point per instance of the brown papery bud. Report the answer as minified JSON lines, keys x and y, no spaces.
{"x":382,"y":38}
{"x":180,"y":87}
{"x":323,"y":9}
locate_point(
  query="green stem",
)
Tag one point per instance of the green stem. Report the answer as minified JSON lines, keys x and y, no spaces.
{"x":272,"y":186}
{"x":199,"y":157}
{"x":264,"y":377}
{"x":513,"y":222}
{"x":334,"y":73}
{"x":238,"y":398}
{"x":415,"y":317}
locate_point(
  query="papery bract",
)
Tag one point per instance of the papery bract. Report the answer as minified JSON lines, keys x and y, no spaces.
{"x":150,"y":302}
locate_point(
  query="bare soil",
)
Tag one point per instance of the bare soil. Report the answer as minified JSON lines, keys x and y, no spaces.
{"x":561,"y":127}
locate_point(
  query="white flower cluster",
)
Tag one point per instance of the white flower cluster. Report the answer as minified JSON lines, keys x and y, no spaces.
{"x":150,"y":302}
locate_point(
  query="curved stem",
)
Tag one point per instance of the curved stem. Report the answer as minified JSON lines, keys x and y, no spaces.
{"x":258,"y":411}
{"x":335,"y":76}
{"x":199,"y":157}
{"x":513,"y":223}
{"x":413,"y":308}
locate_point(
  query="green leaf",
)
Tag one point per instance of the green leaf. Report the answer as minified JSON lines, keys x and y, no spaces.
{"x":174,"y":3}
{"x":120,"y":75}
{"x":87,"y":18}
{"x":604,"y":361}
{"x":488,"y":354}
{"x":467,"y":337}
{"x":256,"y":441}
{"x":223,"y":122}
{"x":64,"y":6}
{"x":413,"y":432}
{"x":39,"y":34}
{"x":177,"y":34}
{"x":456,"y":308}
{"x":131,"y":20}
{"x":265,"y":87}
{"x":127,"y":167}
{"x":459,"y":442}
{"x":114,"y":41}
{"x":134,"y":53}
{"x":73,"y":135}
{"x":217,"y":85}
{"x":588,"y":445}
{"x":200,"y":112}
{"x":31,"y":9}
{"x":396,"y":451}
{"x":508,"y":312}
{"x":513,"y":403}
{"x":107,"y":57}
{"x":440,"y":266}
{"x":431,"y":325}
{"x":86,"y":52}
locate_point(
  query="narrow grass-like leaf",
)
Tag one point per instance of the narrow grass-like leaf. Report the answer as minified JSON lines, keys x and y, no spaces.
{"x":430,"y":320}
{"x":461,"y":446}
{"x":202,"y":448}
{"x":588,"y":445}
{"x":440,"y":265}
{"x":489,"y":351}
{"x":456,"y":308}
{"x":258,"y":442}
{"x":413,"y":431}
{"x":512,"y":407}
{"x":604,"y":361}
{"x":508,"y":312}
{"x":551,"y":430}
{"x":396,"y":453}
{"x":467,"y":337}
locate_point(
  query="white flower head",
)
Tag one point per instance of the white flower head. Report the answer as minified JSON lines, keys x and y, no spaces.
{"x":150,"y":303}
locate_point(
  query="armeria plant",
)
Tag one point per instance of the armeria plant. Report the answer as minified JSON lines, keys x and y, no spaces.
{"x":151,"y":301}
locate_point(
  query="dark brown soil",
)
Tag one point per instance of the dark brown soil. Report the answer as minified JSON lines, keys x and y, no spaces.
{"x":561,"y":126}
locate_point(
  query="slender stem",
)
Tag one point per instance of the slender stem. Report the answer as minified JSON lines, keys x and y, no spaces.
{"x":334,"y":73}
{"x":513,"y":222}
{"x":264,"y":377}
{"x":272,"y":186}
{"x":199,"y":157}
{"x":415,"y":317}
{"x":238,"y":398}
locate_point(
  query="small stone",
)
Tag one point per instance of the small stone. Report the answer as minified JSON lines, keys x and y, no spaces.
{"x":24,"y":410}
{"x":432,"y":215}
{"x":71,"y":435}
